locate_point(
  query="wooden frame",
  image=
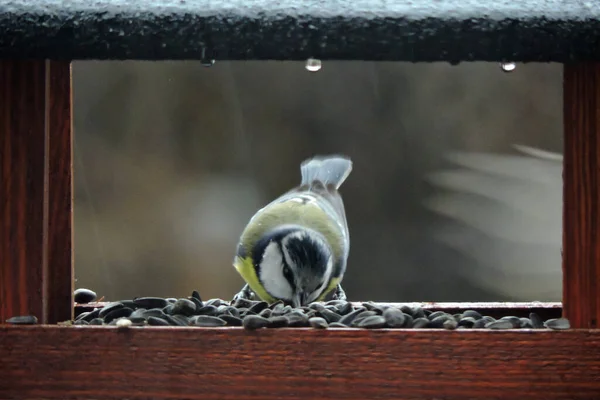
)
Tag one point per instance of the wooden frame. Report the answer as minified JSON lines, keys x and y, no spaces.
{"x":36,"y":262}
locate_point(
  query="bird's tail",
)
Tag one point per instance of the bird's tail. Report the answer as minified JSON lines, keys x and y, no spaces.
{"x":329,"y":170}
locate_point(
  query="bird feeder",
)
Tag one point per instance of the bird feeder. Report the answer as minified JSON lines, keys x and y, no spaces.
{"x":39,"y":39}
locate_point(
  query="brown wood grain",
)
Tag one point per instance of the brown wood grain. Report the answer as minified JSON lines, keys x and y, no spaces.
{"x":231,"y":363}
{"x":581,"y":195}
{"x":35,"y":190}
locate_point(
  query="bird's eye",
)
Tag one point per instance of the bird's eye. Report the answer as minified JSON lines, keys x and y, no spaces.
{"x":287,"y":273}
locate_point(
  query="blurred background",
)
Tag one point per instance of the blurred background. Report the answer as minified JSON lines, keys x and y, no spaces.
{"x":173,"y":158}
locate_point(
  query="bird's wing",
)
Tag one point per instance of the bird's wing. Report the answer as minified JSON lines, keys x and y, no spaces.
{"x":506,"y":213}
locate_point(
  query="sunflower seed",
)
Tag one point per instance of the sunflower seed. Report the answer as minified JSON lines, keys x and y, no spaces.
{"x":92,"y":314}
{"x":83,"y":296}
{"x":259,"y":306}
{"x":349,"y":318}
{"x":155,"y":321}
{"x":214,"y":302}
{"x":515,"y":321}
{"x":150,"y":302}
{"x":419,"y":323}
{"x":242,"y":303}
{"x":252,"y":322}
{"x":82,"y":316}
{"x":344,"y":308}
{"x":278,"y":322}
{"x":418,"y":313}
{"x":230,"y":319}
{"x":437,"y":314}
{"x":118,"y":313}
{"x":500,"y":324}
{"x":207,"y":310}
{"x":472,"y":313}
{"x":196,"y":296}
{"x":329,"y":315}
{"x":536,"y":321}
{"x":199,"y":304}
{"x":297,"y":320}
{"x":277,"y":304}
{"x":316,"y":306}
{"x":337,"y":325}
{"x":137,"y":320}
{"x":479,"y":324}
{"x":153,"y":312}
{"x":450,"y":324}
{"x":168,"y":310}
{"x":318,"y":323}
{"x":466,"y":322}
{"x":266,"y":313}
{"x":110,"y":307}
{"x":81,"y":322}
{"x":557,"y":324}
{"x":184,"y":307}
{"x":207,"y":321}
{"x":408,"y":321}
{"x":526,"y":323}
{"x":372,"y":322}
{"x":394,"y":318}
{"x":171,"y":300}
{"x":97,"y":321}
{"x":438,"y":322}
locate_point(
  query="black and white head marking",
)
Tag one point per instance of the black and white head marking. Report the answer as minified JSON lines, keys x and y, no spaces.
{"x":294,"y":264}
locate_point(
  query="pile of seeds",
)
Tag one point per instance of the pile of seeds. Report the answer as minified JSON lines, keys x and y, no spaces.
{"x":192,"y":311}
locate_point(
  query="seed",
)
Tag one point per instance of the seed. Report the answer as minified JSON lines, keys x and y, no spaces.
{"x":82,"y":316}
{"x":153,"y":312}
{"x":479,"y":324}
{"x":450,"y":324}
{"x":438,"y":322}
{"x":408,"y":321}
{"x":168,"y":310}
{"x":83,"y":296}
{"x":92,"y":314}
{"x":231,"y":320}
{"x":394,"y":318}
{"x":118,"y":313}
{"x":344,"y":308}
{"x":467,"y":322}
{"x":526,"y":323}
{"x":171,"y":300}
{"x":318,"y":323}
{"x":297,"y":320}
{"x":277,"y":304}
{"x":243,"y":303}
{"x":500,"y":324}
{"x":266,"y":313}
{"x":536,"y":321}
{"x":420,"y":323}
{"x":487,"y":319}
{"x":418,"y":312}
{"x":329,"y":315}
{"x":137,"y":320}
{"x":199,"y":304}
{"x":124,"y":323}
{"x":208,"y":321}
{"x":232,"y":311}
{"x":558,"y":324}
{"x":150,"y":302}
{"x":81,"y":322}
{"x":110,"y":307}
{"x":155,"y":321}
{"x":278,"y":322}
{"x":207,"y":310}
{"x":515,"y":321}
{"x":316,"y":306}
{"x":349,"y":318}
{"x":372,"y":322}
{"x":215,"y":302}
{"x":184,"y":307}
{"x":252,"y":322}
{"x":472,"y":313}
{"x":337,"y":325}
{"x":259,"y":306}
{"x":181,"y":320}
{"x":437,"y":314}
{"x":362,"y":315}
{"x":97,"y":321}
{"x":196,"y":295}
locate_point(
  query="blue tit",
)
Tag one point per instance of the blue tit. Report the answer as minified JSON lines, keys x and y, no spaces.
{"x":295,"y":249}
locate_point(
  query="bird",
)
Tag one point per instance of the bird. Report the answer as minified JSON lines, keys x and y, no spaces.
{"x":506,"y":213}
{"x":295,"y":249}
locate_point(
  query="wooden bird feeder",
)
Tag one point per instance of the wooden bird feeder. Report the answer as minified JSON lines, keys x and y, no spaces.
{"x":38,"y":40}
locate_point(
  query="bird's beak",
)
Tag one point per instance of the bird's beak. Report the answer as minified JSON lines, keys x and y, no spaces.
{"x":297,"y":300}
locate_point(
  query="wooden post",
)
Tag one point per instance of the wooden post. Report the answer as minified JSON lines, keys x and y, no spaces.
{"x":36,"y":272}
{"x":581,"y":202}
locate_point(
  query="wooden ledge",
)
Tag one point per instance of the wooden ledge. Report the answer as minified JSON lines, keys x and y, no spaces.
{"x":54,"y":362}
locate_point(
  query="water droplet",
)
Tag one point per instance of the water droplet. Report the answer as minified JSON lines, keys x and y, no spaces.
{"x":313,"y":65}
{"x":508,"y":66}
{"x":206,"y":61}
